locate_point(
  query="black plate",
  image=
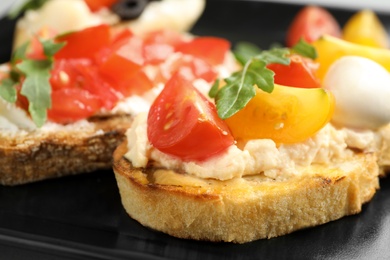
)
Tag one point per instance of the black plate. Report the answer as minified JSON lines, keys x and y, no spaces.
{"x":81,"y":216}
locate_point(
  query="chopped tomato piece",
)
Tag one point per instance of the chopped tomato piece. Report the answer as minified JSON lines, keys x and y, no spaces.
{"x":94,"y":83}
{"x":121,"y":36}
{"x":71,"y":104}
{"x":114,"y":65}
{"x":310,"y":24}
{"x":157,"y":52}
{"x":36,"y":49}
{"x":300,"y":73}
{"x":209,"y":49}
{"x":170,"y":37}
{"x":83,"y":74}
{"x":36,"y":52}
{"x":200,"y":69}
{"x":136,"y":84}
{"x":66,"y":75}
{"x":183,"y":123}
{"x":95,"y":5}
{"x":85,"y":43}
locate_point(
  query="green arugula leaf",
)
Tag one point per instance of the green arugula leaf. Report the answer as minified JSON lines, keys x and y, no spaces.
{"x":276,"y":55}
{"x":24,"y":6}
{"x":244,"y":51}
{"x":36,"y":88}
{"x":19,"y":53}
{"x":239,"y":88}
{"x":8,"y":90}
{"x":214,"y":89}
{"x":305,"y":49}
{"x":50,"y":47}
{"x":234,"y":96}
{"x":35,"y":78}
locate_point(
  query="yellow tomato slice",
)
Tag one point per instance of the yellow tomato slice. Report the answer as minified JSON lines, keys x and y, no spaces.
{"x":365,"y":28}
{"x":287,"y":115}
{"x":330,"y":49}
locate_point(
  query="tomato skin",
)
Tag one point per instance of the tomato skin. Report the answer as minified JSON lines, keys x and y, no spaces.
{"x":72,"y":104}
{"x":85,"y":43}
{"x":199,"y":68}
{"x":183,"y":123}
{"x":209,"y":49}
{"x":157,"y":53}
{"x":310,"y":23}
{"x":83,"y":74}
{"x":365,"y":28}
{"x":95,"y":5}
{"x":65,"y":74}
{"x":115,"y":66}
{"x":287,"y":115}
{"x":170,"y":37}
{"x":330,"y":49}
{"x":300,"y":73}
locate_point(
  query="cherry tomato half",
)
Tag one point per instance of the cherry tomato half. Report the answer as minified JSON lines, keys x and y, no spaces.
{"x":300,"y":73}
{"x":183,"y":123}
{"x":311,"y":23}
{"x":287,"y":115}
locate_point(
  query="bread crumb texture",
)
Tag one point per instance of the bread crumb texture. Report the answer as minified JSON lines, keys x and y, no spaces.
{"x":37,"y":155}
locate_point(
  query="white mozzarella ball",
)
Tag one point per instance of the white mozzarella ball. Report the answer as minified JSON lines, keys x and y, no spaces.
{"x":362,"y":91}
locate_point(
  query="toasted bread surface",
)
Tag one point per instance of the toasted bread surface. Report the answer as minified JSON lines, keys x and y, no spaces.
{"x":384,"y":150}
{"x":39,"y":155}
{"x":244,"y":209}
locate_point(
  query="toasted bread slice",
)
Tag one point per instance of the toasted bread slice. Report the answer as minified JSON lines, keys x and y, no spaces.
{"x":31,"y":156}
{"x":384,"y":150}
{"x":244,"y":209}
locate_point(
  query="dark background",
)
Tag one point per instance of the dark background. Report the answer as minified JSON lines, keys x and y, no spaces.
{"x":81,"y":217}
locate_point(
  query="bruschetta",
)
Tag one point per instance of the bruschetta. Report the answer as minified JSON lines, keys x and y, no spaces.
{"x":67,"y":101}
{"x":251,"y":168}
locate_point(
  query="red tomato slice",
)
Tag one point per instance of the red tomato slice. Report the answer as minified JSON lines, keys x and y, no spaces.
{"x":71,"y":104}
{"x":300,"y":73}
{"x":183,"y":123}
{"x":95,"y":5}
{"x":85,"y":43}
{"x":209,"y":49}
{"x":311,"y":23}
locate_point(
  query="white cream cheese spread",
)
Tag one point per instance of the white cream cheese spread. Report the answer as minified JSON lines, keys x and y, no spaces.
{"x":256,"y":156}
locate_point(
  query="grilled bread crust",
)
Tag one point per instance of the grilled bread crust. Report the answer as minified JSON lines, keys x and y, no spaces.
{"x":384,"y":150}
{"x":40,"y":155}
{"x":244,"y":209}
